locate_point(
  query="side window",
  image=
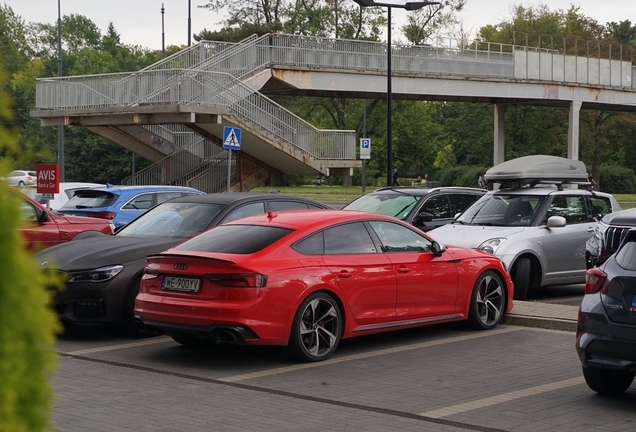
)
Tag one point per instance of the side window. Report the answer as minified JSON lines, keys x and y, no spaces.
{"x":463,"y":201}
{"x":352,"y":238}
{"x":396,"y":238}
{"x":246,"y":210}
{"x":27,"y":212}
{"x":312,"y":245}
{"x":143,"y":202}
{"x":286,"y":205}
{"x":165,"y":196}
{"x":439,"y":206}
{"x":600,"y":206}
{"x":572,"y":208}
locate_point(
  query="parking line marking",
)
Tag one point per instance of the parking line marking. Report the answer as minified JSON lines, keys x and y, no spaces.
{"x":502,"y":398}
{"x":122,"y":346}
{"x":294,"y":368}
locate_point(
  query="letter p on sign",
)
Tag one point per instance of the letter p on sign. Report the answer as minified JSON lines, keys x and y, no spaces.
{"x":48,"y":178}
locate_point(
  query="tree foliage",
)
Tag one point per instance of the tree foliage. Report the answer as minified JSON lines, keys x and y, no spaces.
{"x":27,"y":325}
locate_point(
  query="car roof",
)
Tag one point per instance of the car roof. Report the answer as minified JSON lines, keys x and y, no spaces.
{"x":420,"y":191}
{"x":231,"y":197}
{"x":310,"y":218}
{"x":141,"y":188}
{"x":542,"y":190}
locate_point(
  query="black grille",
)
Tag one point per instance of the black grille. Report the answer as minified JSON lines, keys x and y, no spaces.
{"x":614,"y":236}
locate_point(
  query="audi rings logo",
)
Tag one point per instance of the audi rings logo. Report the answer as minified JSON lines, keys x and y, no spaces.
{"x":180,"y":266}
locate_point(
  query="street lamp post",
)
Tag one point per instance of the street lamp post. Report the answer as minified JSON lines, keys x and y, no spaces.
{"x":389,"y":4}
{"x":60,"y":129}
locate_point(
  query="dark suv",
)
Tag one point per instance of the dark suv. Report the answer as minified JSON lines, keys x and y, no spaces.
{"x":421,"y":207}
{"x":608,"y":235}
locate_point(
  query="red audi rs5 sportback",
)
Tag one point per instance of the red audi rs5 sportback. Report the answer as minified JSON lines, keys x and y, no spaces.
{"x":306,"y":279}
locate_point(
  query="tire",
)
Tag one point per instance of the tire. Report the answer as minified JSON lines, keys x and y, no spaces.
{"x":608,"y":381}
{"x":487,"y":302}
{"x":87,"y":234}
{"x":521,"y":278}
{"x":316,"y":329}
{"x":21,"y":184}
{"x":129,"y":312}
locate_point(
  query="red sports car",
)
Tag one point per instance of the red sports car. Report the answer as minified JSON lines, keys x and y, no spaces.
{"x":306,"y":279}
{"x":43,"y":228}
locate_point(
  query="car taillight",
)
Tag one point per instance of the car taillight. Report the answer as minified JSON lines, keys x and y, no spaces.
{"x":238,"y":280}
{"x":103,"y":215}
{"x":595,"y":279}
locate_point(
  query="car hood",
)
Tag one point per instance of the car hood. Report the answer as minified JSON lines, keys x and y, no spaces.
{"x":471,"y":236}
{"x":99,"y":251}
{"x":621,"y":218}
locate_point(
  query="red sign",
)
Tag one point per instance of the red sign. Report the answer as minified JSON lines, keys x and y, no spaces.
{"x":48,"y":178}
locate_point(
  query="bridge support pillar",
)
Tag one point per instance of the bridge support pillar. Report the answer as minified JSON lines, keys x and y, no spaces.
{"x":346,"y":173}
{"x":573,"y":130}
{"x":499,"y":145}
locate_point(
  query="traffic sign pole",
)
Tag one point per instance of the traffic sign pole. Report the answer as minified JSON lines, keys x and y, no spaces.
{"x":231,"y":141}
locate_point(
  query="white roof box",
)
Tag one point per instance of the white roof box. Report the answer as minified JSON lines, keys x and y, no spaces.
{"x":538,"y":168}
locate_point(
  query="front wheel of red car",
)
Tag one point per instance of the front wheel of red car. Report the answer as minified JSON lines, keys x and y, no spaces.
{"x":608,"y":381}
{"x":316,"y":329}
{"x":488,"y":301}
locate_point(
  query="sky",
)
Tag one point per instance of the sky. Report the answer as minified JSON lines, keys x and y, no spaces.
{"x":139,"y":22}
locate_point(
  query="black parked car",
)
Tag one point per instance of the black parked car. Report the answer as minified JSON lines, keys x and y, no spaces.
{"x":422,"y":207}
{"x":608,"y":235}
{"x":606,"y":333}
{"x":103,"y":273}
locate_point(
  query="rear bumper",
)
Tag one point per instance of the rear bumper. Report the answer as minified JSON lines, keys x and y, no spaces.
{"x":601,"y":343}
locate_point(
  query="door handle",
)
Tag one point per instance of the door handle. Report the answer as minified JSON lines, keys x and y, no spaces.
{"x":344,"y":274}
{"x":403,"y":269}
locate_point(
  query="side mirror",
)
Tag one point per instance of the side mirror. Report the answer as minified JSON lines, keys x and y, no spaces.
{"x":556,"y":222}
{"x":437,"y":248}
{"x":423,"y":217}
{"x":42,"y":215}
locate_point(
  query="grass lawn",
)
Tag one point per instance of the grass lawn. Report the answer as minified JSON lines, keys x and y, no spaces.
{"x":344,"y":195}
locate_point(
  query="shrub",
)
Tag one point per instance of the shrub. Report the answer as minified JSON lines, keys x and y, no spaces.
{"x":27,"y":325}
{"x":461,"y":175}
{"x":617,"y":180}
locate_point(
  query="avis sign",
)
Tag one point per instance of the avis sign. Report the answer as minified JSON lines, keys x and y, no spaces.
{"x":48,"y":178}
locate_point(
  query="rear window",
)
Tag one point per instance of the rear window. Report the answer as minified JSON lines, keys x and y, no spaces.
{"x":626,"y":256}
{"x":235,"y":239}
{"x":91,"y":199}
{"x":397,"y":205}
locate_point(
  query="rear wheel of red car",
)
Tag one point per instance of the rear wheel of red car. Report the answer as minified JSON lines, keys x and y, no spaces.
{"x":521,"y":278}
{"x":488,"y":301}
{"x":607,"y":381}
{"x":317,"y":328}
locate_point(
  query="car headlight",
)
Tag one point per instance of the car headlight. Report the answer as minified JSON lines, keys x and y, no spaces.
{"x":97,"y":275}
{"x":491,"y":245}
{"x":599,"y":231}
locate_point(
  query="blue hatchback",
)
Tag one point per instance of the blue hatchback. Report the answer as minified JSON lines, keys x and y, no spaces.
{"x":121,"y":204}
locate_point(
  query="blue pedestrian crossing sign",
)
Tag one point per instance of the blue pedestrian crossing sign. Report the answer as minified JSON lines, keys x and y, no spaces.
{"x":365,"y":148}
{"x":231,"y":138}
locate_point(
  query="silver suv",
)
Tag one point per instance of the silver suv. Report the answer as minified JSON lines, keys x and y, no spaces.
{"x":539,"y":233}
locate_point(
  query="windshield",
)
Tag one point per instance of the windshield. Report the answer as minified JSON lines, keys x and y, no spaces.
{"x":395,"y":205}
{"x":168,"y":219}
{"x":502,"y":210}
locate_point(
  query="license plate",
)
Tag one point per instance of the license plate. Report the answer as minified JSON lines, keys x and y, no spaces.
{"x":180,"y":284}
{"x":633,"y":308}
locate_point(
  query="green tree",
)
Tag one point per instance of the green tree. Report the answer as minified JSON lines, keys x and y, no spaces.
{"x":429,"y":20}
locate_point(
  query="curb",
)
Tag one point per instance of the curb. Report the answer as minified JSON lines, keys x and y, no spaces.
{"x":543,"y":323}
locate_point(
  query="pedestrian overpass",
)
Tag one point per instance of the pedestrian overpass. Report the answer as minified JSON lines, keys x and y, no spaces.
{"x":174,"y":112}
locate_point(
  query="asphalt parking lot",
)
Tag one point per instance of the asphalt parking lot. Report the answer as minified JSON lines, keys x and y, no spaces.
{"x":438,"y":378}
